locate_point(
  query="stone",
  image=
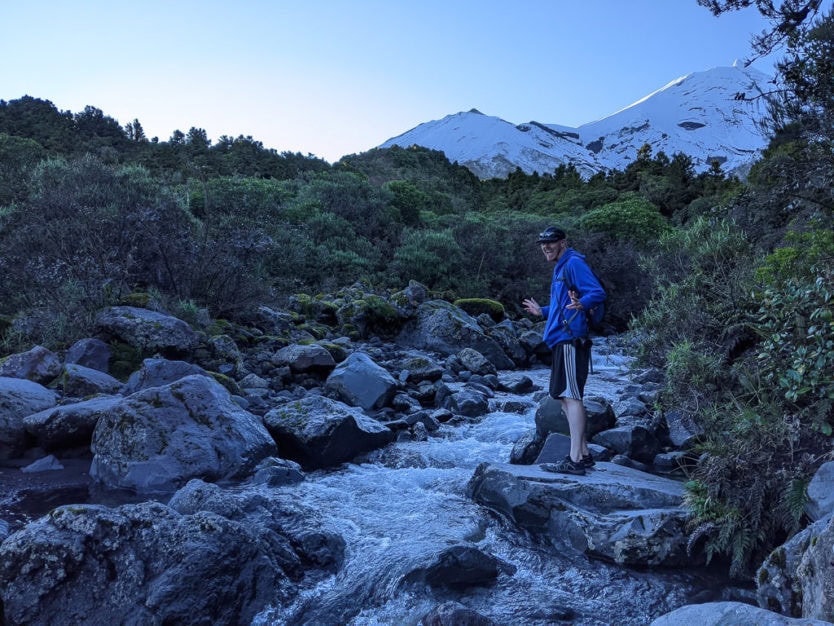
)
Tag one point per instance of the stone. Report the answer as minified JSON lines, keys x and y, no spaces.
{"x":359,"y":381}
{"x":729,"y":614}
{"x":148,"y":331}
{"x":68,"y":425}
{"x":90,"y":352}
{"x":39,"y":365}
{"x":19,"y":398}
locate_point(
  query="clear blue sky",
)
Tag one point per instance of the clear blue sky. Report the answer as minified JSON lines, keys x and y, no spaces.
{"x":335,"y":77}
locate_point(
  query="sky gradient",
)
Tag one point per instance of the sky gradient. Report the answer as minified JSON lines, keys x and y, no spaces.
{"x":336,"y":77}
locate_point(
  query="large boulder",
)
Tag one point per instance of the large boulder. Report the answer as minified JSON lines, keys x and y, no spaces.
{"x":158,"y":438}
{"x":18,"y":399}
{"x":614,"y":513}
{"x":599,"y":416}
{"x":90,"y":352}
{"x":156,"y":372}
{"x":40,"y":365}
{"x":729,"y":614}
{"x":68,"y":425}
{"x":447,"y":329}
{"x":821,"y":493}
{"x":319,"y":432}
{"x":148,"y":331}
{"x":305,"y":358}
{"x":359,"y":381}
{"x":145,"y":564}
{"x":78,"y":381}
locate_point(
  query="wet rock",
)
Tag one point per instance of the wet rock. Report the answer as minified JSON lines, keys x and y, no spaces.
{"x":46,"y":464}
{"x":320,"y":432}
{"x":454,"y":614}
{"x":635,"y":442}
{"x":68,"y":425}
{"x":143,"y":563}
{"x":550,"y":418}
{"x":359,"y":381}
{"x":459,"y":567}
{"x":729,"y":614}
{"x":309,"y":358}
{"x":613,"y":513}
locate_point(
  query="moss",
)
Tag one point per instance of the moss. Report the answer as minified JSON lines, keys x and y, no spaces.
{"x":124,"y":360}
{"x":764,"y":576}
{"x":778,"y":558}
{"x":477,"y":306}
{"x":137,"y":298}
{"x":229,"y":383}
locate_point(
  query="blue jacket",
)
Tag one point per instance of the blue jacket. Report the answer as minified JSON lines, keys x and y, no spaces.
{"x":571,"y":270}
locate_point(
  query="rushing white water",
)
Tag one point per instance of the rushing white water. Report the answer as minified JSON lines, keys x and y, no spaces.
{"x":402,"y":506}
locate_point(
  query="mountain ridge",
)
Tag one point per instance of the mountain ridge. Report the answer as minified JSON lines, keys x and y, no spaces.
{"x":711,"y":116}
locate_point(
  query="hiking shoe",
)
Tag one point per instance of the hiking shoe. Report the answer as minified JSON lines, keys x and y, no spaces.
{"x":588,"y":461}
{"x":565,"y":466}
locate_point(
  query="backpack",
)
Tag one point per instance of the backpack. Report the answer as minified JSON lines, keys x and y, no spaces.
{"x":595,"y":315}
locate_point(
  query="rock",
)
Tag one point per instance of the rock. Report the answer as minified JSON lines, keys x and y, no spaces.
{"x":550,"y":418}
{"x":821,"y":493}
{"x":728,"y":614}
{"x":816,"y":575}
{"x":467,"y":401}
{"x":636,"y":442}
{"x":506,"y":336}
{"x":359,"y":381}
{"x":683,"y":431}
{"x":68,"y":425}
{"x":521,"y":384}
{"x":526,"y":448}
{"x":158,"y":438}
{"x":38,"y":365}
{"x":143,"y":564}
{"x":319,"y":432}
{"x":275,"y":472}
{"x":157,"y":372}
{"x":46,"y":464}
{"x":557,"y":446}
{"x":475,"y":362}
{"x":90,"y":352}
{"x":445,"y":328}
{"x":309,"y":358}
{"x":19,"y":398}
{"x":148,"y":331}
{"x":457,"y":567}
{"x":453,"y":613}
{"x":613,"y":513}
{"x":421,"y":368}
{"x":79,"y":381}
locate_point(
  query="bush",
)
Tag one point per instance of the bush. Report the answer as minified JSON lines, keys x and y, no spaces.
{"x":632,"y":218}
{"x":477,"y":306}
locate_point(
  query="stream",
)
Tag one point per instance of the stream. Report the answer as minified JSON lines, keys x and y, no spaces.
{"x":399,"y":507}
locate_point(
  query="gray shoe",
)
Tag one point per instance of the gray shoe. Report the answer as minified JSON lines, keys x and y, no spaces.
{"x":565,"y":466}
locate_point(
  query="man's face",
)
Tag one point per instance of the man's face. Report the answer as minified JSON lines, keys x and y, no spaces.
{"x":553,"y":249}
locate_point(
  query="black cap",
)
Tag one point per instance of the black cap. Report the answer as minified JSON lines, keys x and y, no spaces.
{"x":551,"y":234}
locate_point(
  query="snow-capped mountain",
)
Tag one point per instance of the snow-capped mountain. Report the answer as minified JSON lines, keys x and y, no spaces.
{"x":707,"y":115}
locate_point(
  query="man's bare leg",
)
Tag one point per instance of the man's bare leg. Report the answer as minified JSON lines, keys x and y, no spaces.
{"x":575,"y":413}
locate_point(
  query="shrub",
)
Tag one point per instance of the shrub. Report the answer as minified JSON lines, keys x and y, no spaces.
{"x":632,"y":217}
{"x":476,"y":306}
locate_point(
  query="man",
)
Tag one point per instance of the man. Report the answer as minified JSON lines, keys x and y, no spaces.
{"x":574,"y":291}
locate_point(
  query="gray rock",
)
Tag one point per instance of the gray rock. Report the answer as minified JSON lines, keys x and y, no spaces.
{"x":39,"y":365}
{"x":821,"y":493}
{"x":421,"y":368}
{"x":309,"y":358}
{"x":319,"y":432}
{"x":90,"y":352}
{"x":550,"y":418}
{"x":816,"y":575}
{"x":157,"y":372}
{"x":636,"y":442}
{"x":507,"y":337}
{"x":458,"y":567}
{"x":68,"y":425}
{"x":683,"y":431}
{"x":469,"y":402}
{"x":19,"y":398}
{"x":79,"y":381}
{"x":520,"y":384}
{"x":148,"y":331}
{"x":447,"y":329}
{"x":728,"y":614}
{"x":359,"y":381}
{"x":453,"y":613}
{"x":557,"y":446}
{"x":46,"y":464}
{"x":144,"y":564}
{"x":475,"y":362}
{"x":614,"y":513}
{"x":158,"y":438}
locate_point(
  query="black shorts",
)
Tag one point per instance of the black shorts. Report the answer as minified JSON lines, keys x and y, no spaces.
{"x":569,"y":369}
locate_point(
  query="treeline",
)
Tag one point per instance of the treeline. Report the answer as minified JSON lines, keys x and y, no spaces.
{"x":725,"y":284}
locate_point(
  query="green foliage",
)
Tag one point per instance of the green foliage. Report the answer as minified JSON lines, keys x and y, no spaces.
{"x":432,"y":258}
{"x":632,"y":218}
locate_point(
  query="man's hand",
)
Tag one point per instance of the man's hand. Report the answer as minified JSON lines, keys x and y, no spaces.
{"x":531,"y":306}
{"x":575,"y":304}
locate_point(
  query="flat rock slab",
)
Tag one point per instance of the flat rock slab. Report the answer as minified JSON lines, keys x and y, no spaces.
{"x":613,"y":512}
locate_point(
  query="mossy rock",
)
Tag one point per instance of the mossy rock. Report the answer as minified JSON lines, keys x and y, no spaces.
{"x":220,"y":327}
{"x":138,"y":299}
{"x":476,"y":306}
{"x":229,"y":383}
{"x":124,"y":360}
{"x":339,"y":353}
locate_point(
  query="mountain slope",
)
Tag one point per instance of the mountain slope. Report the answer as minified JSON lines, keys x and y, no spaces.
{"x":709,"y":116}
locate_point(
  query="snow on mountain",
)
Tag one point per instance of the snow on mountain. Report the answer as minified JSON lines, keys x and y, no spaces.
{"x":707,"y":115}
